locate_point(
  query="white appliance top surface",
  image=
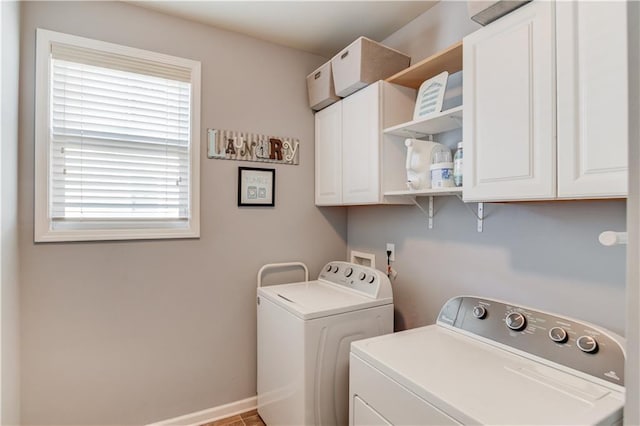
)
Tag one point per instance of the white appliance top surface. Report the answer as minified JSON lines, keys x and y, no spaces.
{"x":315,"y":299}
{"x":475,"y":382}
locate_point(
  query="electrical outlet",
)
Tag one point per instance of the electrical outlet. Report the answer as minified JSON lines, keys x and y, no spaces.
{"x":392,"y":248}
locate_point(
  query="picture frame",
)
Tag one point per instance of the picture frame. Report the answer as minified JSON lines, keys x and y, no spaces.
{"x":256,"y":187}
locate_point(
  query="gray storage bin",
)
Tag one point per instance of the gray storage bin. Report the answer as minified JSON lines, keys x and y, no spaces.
{"x":364,"y":62}
{"x":320,"y":88}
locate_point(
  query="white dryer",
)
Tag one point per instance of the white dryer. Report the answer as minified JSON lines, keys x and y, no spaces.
{"x":489,"y":362}
{"x":305,"y":331}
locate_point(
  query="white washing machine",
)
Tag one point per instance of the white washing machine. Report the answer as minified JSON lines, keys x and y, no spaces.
{"x":489,"y":362}
{"x":305,"y":331}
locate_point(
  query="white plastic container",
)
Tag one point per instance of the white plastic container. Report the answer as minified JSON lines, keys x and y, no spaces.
{"x":320,"y":88}
{"x":364,"y":62}
{"x":442,"y":175}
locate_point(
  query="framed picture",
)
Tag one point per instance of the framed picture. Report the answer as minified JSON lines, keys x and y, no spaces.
{"x":256,"y":187}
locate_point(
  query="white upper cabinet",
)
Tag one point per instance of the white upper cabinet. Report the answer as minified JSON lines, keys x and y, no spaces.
{"x":547,"y":67}
{"x":509,"y":103}
{"x":348,"y":143}
{"x":360,"y":146}
{"x":328,"y":150}
{"x":592,"y":99}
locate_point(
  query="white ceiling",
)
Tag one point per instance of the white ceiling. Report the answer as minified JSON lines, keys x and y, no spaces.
{"x":320,"y":27}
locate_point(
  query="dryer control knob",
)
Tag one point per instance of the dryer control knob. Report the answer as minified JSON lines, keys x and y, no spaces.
{"x":336,"y":269}
{"x":558,"y":334}
{"x":516,"y":321}
{"x":329,"y":267}
{"x":372,"y":278}
{"x":587,"y":344}
{"x":362,"y":276}
{"x":348,"y":272}
{"x":479,"y":312}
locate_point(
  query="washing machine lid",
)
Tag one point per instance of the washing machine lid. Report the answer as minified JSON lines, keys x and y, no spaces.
{"x":316,"y":299}
{"x":475,"y":382}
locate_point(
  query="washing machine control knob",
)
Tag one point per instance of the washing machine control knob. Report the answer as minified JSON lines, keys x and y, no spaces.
{"x":587,"y":344}
{"x":479,"y":312}
{"x":329,"y":268}
{"x":336,"y":269}
{"x":516,"y":321}
{"x":372,"y":278}
{"x":348,"y":272}
{"x":558,"y":334}
{"x":362,"y":276}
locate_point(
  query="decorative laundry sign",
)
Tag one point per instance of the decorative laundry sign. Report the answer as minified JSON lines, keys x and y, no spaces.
{"x":244,"y":146}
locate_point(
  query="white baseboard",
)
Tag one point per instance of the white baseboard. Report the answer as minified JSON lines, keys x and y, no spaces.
{"x":211,"y":414}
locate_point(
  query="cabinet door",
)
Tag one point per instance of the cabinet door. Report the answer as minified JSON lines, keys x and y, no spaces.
{"x":328,"y":135}
{"x":509,"y":107}
{"x":592,"y":99}
{"x":360,"y":146}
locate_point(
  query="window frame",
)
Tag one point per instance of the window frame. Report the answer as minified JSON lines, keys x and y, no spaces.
{"x":97,"y":230}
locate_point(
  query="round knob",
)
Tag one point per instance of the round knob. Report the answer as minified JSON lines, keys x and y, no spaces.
{"x":516,"y":321}
{"x":587,"y":344}
{"x":328,"y":268}
{"x":372,"y":278}
{"x":336,"y":269}
{"x":362,"y":276}
{"x":558,"y":334}
{"x":479,"y":312}
{"x":348,"y":272}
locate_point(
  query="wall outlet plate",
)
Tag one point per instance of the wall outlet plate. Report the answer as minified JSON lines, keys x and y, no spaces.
{"x":392,"y":247}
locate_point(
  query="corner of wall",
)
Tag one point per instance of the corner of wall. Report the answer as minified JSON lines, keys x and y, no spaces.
{"x":9,"y":291}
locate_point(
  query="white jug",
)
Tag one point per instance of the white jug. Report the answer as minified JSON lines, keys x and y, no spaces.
{"x":418,"y":162}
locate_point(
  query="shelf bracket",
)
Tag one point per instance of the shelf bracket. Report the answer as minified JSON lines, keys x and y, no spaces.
{"x":430,"y":212}
{"x":479,"y":215}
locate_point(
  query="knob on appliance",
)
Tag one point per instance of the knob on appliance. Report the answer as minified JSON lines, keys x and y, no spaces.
{"x":362,"y":276}
{"x":348,"y":272}
{"x":587,"y":344}
{"x":558,"y":334}
{"x":329,"y":268}
{"x":372,"y":278}
{"x":336,"y":269}
{"x":479,"y":312}
{"x":516,"y":321}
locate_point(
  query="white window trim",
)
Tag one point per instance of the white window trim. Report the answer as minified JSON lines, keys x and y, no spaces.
{"x":43,"y":231}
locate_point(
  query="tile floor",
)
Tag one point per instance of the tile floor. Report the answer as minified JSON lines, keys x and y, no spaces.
{"x":250,"y":418}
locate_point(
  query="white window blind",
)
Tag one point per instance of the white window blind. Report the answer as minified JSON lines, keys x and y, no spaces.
{"x":119,"y":139}
{"x":116,"y":142}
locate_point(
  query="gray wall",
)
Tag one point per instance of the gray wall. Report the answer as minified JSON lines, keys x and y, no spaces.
{"x":544,"y":255}
{"x":9,"y":308}
{"x":133,"y":332}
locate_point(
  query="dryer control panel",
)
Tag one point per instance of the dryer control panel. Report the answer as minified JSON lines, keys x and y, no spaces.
{"x":362,"y":279}
{"x":572,"y":343}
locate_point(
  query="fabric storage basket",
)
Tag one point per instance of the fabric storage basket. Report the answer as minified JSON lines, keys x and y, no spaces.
{"x":364,"y":62}
{"x":320,"y":88}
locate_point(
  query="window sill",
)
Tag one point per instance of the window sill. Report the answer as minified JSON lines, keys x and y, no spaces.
{"x":115,"y":234}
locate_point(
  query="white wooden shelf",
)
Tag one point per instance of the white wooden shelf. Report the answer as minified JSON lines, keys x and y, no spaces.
{"x":445,"y":121}
{"x":426,"y":192}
